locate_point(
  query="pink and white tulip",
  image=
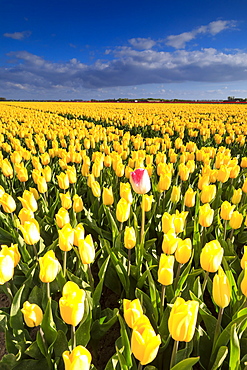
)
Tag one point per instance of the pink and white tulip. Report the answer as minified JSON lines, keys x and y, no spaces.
{"x":140,"y":181}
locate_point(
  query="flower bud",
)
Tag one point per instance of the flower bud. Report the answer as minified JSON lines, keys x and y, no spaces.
{"x":208,"y":193}
{"x":66,"y":200}
{"x":86,"y":249}
{"x":211,"y":256}
{"x":175,"y":194}
{"x":123,"y":210}
{"x":165,"y":271}
{"x":95,"y":187}
{"x":77,"y":203}
{"x":236,"y":220}
{"x":206,"y":215}
{"x":6,"y":267}
{"x":129,"y":237}
{"x":32,"y":313}
{"x":30,"y":231}
{"x":182,"y":319}
{"x":49,"y":267}
{"x":236,"y":197}
{"x":79,"y":358}
{"x":183,"y":251}
{"x":71,"y":303}
{"x":221,"y":289}
{"x":147,"y":202}
{"x":107,"y":196}
{"x":226,"y":210}
{"x":79,"y":233}
{"x":8,"y":203}
{"x":28,"y":201}
{"x":170,"y":242}
{"x":132,"y":311}
{"x":189,"y":197}
{"x":66,"y":238}
{"x":140,"y":181}
{"x":125,"y":191}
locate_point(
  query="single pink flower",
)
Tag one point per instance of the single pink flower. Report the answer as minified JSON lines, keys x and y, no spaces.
{"x":140,"y":181}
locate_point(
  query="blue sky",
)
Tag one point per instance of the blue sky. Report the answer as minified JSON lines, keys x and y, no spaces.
{"x":123,"y":49}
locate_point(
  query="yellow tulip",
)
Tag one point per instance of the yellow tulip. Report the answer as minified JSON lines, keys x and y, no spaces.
{"x":236,"y":197}
{"x":226,"y":210}
{"x":66,"y":200}
{"x":86,"y":249}
{"x":62,"y":217}
{"x":189,"y":197}
{"x":32,"y":313}
{"x":12,"y":251}
{"x":132,"y":311}
{"x":167,"y":222}
{"x":123,"y":210}
{"x":63,"y":181}
{"x":206,"y":215}
{"x":7,"y":169}
{"x":66,"y":238}
{"x":244,"y":257}
{"x":243,"y":284}
{"x":71,"y":303}
{"x":30,"y":231}
{"x":147,"y":202}
{"x":107,"y":196}
{"x":8,"y":203}
{"x":170,"y":242}
{"x":79,"y":233}
{"x":79,"y":358}
{"x":182,"y":319}
{"x":236,"y":220}
{"x":145,"y":343}
{"x":165,"y":270}
{"x":129,"y":237}
{"x":221,"y":289}
{"x":208,"y":193}
{"x":183,"y":251}
{"x":175,"y":194}
{"x":46,"y":172}
{"x":95,"y":187}
{"x":28,"y":201}
{"x":71,"y":173}
{"x":49,"y":267}
{"x":6,"y":267}
{"x":179,"y":220}
{"x":125,"y":191}
{"x":42,"y":184}
{"x":244,"y":187}
{"x":211,"y":256}
{"x":77,"y":203}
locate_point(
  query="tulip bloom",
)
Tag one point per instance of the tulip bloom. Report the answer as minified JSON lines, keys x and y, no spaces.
{"x":167,"y":222}
{"x":182,"y":319}
{"x":183,"y":251}
{"x":125,"y":191}
{"x":175,"y":194}
{"x":65,"y":200}
{"x":62,"y":217}
{"x":147,"y":202}
{"x":226,"y":210}
{"x":208,"y":193}
{"x":236,"y":197}
{"x":236,"y":220}
{"x":6,"y":267}
{"x":244,"y":187}
{"x":86,"y":249}
{"x":8,"y":203}
{"x":95,"y":187}
{"x":179,"y":221}
{"x":11,"y":251}
{"x":129,"y":237}
{"x":66,"y":238}
{"x":71,"y":303}
{"x":28,"y":201}
{"x":132,"y":311}
{"x":79,"y":358}
{"x":77,"y":203}
{"x":30,"y":231}
{"x":244,"y":257}
{"x":123,"y":210}
{"x":32,"y":313}
{"x":145,"y":343}
{"x":170,"y":242}
{"x":71,"y":172}
{"x":221,"y":289}
{"x":49,"y":267}
{"x":189,"y":197}
{"x":107,"y":196}
{"x":211,"y":256}
{"x":165,"y":271}
{"x":206,"y":215}
{"x":243,"y":284}
{"x":63,"y":181}
{"x":42,"y":184}
{"x":79,"y":233}
{"x":140,"y":181}
{"x":7,"y":169}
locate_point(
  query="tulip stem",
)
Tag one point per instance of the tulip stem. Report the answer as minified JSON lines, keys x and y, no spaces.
{"x":64,"y":263}
{"x":177,"y":275}
{"x":48,"y":291}
{"x":231,"y":235}
{"x":205,"y":281}
{"x":225,"y":226}
{"x":129,"y":261}
{"x":9,"y":292}
{"x":162,"y":300}
{"x":139,"y":366}
{"x":143,"y":220}
{"x":218,"y":325}
{"x":73,"y":338}
{"x":174,"y":353}
{"x":90,"y":277}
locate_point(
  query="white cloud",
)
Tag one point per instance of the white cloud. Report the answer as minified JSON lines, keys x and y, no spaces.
{"x":179,"y":41}
{"x":142,"y":43}
{"x":18,"y":35}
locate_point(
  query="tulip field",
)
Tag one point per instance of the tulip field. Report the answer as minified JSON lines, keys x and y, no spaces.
{"x":123,"y":223}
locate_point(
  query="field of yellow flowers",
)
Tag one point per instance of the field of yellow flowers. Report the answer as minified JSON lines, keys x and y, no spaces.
{"x":143,"y":201}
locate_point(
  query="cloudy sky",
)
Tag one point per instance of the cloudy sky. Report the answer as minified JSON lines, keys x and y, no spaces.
{"x":99,"y":49}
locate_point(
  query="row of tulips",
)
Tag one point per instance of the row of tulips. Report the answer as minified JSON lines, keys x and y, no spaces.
{"x":168,"y":238}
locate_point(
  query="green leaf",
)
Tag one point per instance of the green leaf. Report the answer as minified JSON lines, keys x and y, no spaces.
{"x":98,"y":290}
{"x":186,"y":364}
{"x":48,"y":325}
{"x":16,"y":318}
{"x":34,"y":351}
{"x":8,"y":362}
{"x":221,"y":355}
{"x":32,"y":364}
{"x":125,"y":343}
{"x":61,"y":344}
{"x":100,"y":328}
{"x":234,"y":362}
